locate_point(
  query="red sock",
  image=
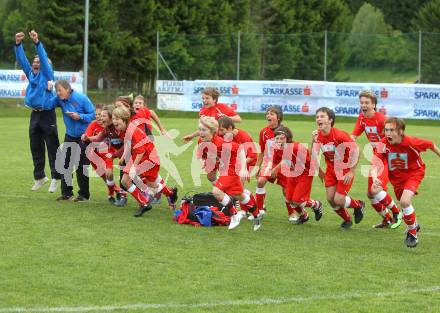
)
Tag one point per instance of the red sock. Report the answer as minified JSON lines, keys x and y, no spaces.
{"x":260,"y":200}
{"x":300,"y":210}
{"x":251,"y":205}
{"x":379,"y":207}
{"x":387,"y":201}
{"x":166,"y":190}
{"x":354,"y":204}
{"x":410,"y":220}
{"x":111,"y":190}
{"x":344,"y":214}
{"x":136,"y":193}
{"x":289,"y":208}
{"x":311,"y":204}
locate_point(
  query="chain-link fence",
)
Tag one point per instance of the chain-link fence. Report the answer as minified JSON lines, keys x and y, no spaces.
{"x":395,"y":57}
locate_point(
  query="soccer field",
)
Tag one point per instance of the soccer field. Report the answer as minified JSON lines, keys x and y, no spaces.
{"x":94,"y":257}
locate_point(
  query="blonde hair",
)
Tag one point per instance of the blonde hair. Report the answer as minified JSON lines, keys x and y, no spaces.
{"x":369,"y":94}
{"x":210,"y":123}
{"x":123,"y":113}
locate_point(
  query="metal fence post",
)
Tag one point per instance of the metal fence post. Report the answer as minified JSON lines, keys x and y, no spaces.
{"x":86,"y":47}
{"x":238,"y":55}
{"x":420,"y":57}
{"x":157,"y":56}
{"x":325,"y":55}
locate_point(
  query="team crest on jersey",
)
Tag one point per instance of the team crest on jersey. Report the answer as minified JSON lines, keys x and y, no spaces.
{"x":330,"y":147}
{"x":397,"y":161}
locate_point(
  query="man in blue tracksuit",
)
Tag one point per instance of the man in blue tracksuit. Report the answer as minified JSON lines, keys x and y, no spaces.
{"x":43,"y":124}
{"x":78,"y":113}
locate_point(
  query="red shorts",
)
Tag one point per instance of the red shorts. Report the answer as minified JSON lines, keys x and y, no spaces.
{"x":280,"y":180}
{"x":411,"y":183}
{"x":299,"y":188}
{"x":382,"y":177}
{"x":330,"y":179}
{"x":150,"y":175}
{"x":107,"y":162}
{"x":231,"y":185}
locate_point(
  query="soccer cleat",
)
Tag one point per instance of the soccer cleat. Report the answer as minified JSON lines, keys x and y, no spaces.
{"x":411,"y":240}
{"x":346,"y":224}
{"x":39,"y":183}
{"x":111,"y":199}
{"x":172,"y":199}
{"x":235,"y":220}
{"x":250,"y":217}
{"x":53,"y":186}
{"x":359,"y":213}
{"x":293,"y":218}
{"x":384,"y":224}
{"x":142,"y":209}
{"x":302,"y":219}
{"x":80,"y":198}
{"x":121,"y":202}
{"x":258,"y":221}
{"x":65,"y":198}
{"x":397,"y":220}
{"x":318,"y":211}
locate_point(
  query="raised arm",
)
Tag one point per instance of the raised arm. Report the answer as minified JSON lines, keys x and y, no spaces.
{"x":45,"y":66}
{"x":20,"y":55}
{"x":156,"y":120}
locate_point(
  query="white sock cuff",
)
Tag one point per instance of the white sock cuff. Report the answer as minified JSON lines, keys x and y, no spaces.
{"x":347,"y":202}
{"x":110,"y":182}
{"x":260,"y":191}
{"x":226,"y":200}
{"x":132,"y":188}
{"x":408,"y":210}
{"x":246,"y":198}
{"x":380,"y":195}
{"x":158,"y":179}
{"x":159,"y":188}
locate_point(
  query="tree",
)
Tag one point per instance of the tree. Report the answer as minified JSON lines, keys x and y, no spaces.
{"x":295,"y":45}
{"x":374,"y":44}
{"x":427,"y":20}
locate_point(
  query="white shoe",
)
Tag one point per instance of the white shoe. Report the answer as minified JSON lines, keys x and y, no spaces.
{"x":293,"y":218}
{"x":39,"y":183}
{"x":258,"y":221}
{"x":53,"y":185}
{"x":250,"y":217}
{"x":235,"y":220}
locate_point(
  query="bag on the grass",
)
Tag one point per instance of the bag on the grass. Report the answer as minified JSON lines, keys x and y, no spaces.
{"x":202,"y":209}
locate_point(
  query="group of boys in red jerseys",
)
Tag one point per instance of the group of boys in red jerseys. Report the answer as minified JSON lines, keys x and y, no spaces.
{"x":229,"y":155}
{"x":124,"y":131}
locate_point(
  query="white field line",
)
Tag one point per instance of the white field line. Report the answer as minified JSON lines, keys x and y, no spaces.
{"x":267,"y":301}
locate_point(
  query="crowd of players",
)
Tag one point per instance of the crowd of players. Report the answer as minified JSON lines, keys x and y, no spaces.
{"x":101,"y":133}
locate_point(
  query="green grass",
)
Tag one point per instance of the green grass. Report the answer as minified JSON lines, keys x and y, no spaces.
{"x":93,"y":254}
{"x":376,"y":76}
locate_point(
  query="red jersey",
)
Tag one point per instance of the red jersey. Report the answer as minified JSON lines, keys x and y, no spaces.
{"x":267,"y":141}
{"x":329,"y":146}
{"x":403,"y":158}
{"x":94,"y":129}
{"x":217,"y":111}
{"x":139,"y":143}
{"x":296,"y":160}
{"x":142,"y":119}
{"x":243,"y":138}
{"x":225,"y":154}
{"x":372,"y":126}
